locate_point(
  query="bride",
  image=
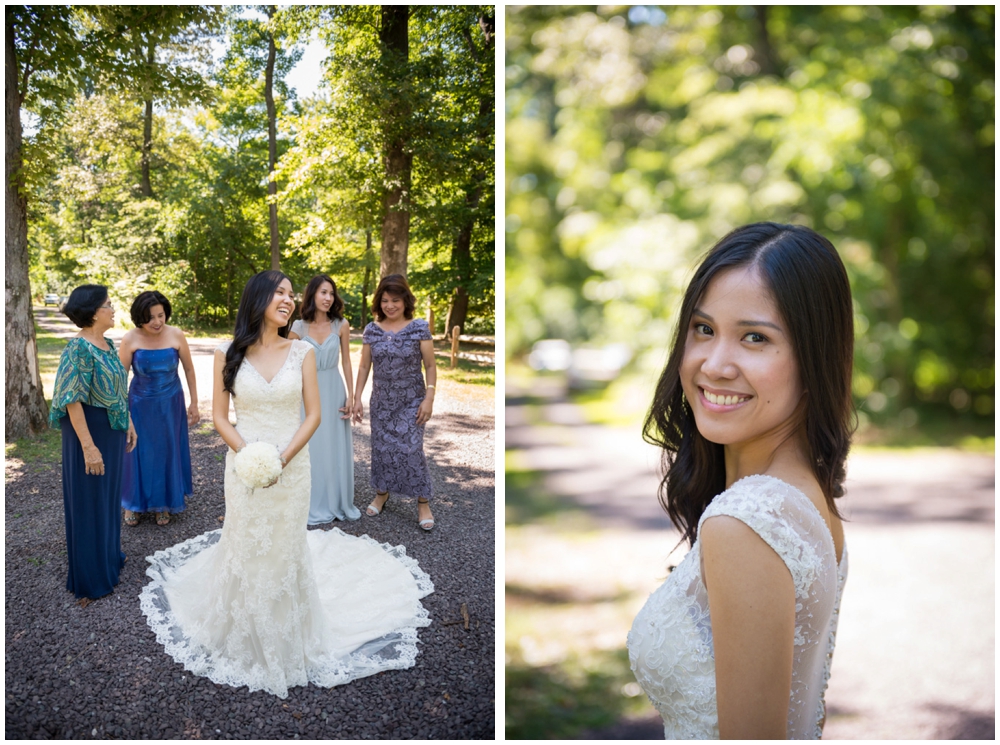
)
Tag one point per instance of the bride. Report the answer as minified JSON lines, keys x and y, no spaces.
{"x":264,"y":602}
{"x":753,"y":412}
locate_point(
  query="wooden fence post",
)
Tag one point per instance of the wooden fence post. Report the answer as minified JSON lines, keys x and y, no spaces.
{"x":455,"y":330}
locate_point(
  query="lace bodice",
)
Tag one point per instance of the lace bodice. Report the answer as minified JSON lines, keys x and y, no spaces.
{"x":670,"y":644}
{"x":262,"y":406}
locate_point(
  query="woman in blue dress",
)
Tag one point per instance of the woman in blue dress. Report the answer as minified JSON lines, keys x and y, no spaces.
{"x":331,"y":448}
{"x":401,"y":404}
{"x":157,"y":476}
{"x":90,"y":406}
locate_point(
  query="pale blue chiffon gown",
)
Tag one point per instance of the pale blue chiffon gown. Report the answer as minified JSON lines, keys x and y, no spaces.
{"x":331,"y":449}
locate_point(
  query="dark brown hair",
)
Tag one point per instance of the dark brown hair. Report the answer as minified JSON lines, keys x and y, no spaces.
{"x":810,"y":288}
{"x":143,"y":304}
{"x":257,"y":295}
{"x":308,"y":310}
{"x":394,"y":284}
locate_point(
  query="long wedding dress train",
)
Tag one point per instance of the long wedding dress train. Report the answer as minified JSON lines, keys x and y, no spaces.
{"x":268,"y":604}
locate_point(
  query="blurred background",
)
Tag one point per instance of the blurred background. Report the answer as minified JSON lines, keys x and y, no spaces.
{"x":636,"y":137}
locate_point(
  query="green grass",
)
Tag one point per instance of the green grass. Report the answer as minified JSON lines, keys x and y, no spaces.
{"x":469,"y":373}
{"x":560,"y":701}
{"x":935,"y":429}
{"x":43,"y":448}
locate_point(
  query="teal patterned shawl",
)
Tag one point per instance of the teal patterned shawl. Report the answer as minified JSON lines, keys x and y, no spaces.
{"x":91,"y":376}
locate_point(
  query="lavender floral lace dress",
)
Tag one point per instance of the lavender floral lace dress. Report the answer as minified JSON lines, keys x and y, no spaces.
{"x":398,"y":463}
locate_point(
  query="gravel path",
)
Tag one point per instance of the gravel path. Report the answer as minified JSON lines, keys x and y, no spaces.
{"x":98,"y":672}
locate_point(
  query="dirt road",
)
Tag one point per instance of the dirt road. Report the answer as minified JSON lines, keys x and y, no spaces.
{"x":915,"y":647}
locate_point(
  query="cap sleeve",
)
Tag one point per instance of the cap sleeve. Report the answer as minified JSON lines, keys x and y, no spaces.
{"x":421,"y":329}
{"x":224,"y":347}
{"x":371,"y":333}
{"x":298,"y":328}
{"x":785,"y":520}
{"x":74,"y":378}
{"x":300,"y":349}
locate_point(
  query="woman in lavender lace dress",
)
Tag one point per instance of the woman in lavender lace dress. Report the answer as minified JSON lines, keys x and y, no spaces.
{"x":401,"y":403}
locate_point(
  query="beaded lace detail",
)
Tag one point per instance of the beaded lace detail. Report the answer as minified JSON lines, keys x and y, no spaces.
{"x":263,"y":602}
{"x":670,"y":644}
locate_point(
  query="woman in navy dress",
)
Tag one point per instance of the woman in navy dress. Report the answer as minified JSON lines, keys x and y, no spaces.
{"x":396,"y":344}
{"x":157,"y":476}
{"x":89,"y":405}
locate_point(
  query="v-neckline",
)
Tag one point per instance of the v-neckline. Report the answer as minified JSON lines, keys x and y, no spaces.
{"x":269,"y":382}
{"x":397,"y":333}
{"x":318,"y":342}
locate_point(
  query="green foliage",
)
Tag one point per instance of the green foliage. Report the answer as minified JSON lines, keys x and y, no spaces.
{"x":204,"y":230}
{"x":637,"y":137}
{"x":335,"y":173}
{"x":560,"y":701}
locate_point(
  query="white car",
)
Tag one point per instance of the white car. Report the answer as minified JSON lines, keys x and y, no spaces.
{"x":52,"y":299}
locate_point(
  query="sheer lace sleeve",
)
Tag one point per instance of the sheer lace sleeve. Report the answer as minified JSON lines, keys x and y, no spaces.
{"x":789,"y":523}
{"x":299,"y":351}
{"x":785,"y":520}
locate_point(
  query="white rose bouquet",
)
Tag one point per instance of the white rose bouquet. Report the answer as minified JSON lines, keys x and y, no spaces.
{"x":258,"y":464}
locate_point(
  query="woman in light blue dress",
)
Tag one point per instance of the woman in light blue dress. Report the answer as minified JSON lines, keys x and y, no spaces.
{"x":331,"y":449}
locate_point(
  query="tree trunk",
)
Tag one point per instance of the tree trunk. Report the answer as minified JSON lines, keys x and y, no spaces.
{"x":397,"y":160}
{"x":765,"y":51}
{"x":272,"y":144}
{"x":147,"y":132}
{"x":229,"y":286}
{"x":26,"y":411}
{"x":368,"y":274}
{"x":461,"y":260}
{"x":461,"y":253}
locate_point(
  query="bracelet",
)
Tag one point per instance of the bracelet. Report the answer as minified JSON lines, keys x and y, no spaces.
{"x":431,"y":386}
{"x":283,"y":461}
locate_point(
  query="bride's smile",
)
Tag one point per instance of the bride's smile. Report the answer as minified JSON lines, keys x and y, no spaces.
{"x":739,"y":371}
{"x":279,"y":312}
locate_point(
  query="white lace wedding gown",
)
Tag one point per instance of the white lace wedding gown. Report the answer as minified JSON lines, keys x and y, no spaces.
{"x":670,"y":644}
{"x":268,"y":604}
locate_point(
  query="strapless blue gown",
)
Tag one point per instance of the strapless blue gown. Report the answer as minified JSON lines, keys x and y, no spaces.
{"x":157,"y":474}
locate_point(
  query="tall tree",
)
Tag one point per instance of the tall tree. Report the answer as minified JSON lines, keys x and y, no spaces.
{"x":40,"y":46}
{"x":264,"y":47}
{"x":481,"y":177}
{"x":272,"y":140}
{"x":153,"y":51}
{"x":397,"y":157}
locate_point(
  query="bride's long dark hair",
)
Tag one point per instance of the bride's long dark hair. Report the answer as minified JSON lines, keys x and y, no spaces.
{"x":257,"y":295}
{"x":809,"y":285}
